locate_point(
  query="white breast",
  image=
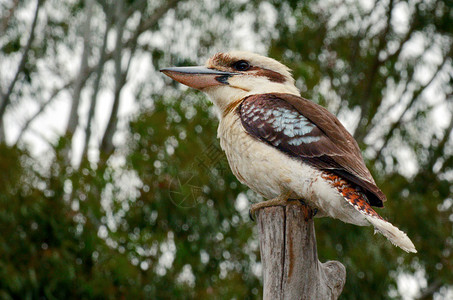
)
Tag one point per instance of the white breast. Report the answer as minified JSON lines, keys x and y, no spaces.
{"x":262,"y":167}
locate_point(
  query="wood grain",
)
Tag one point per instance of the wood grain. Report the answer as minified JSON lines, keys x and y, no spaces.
{"x":291,"y":269}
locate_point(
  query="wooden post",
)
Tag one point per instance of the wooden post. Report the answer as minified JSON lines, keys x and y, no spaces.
{"x":291,"y":269}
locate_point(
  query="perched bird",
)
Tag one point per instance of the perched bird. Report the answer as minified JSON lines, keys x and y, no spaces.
{"x":286,"y":147}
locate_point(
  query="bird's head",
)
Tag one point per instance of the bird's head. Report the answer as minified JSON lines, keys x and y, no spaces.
{"x":229,"y":77}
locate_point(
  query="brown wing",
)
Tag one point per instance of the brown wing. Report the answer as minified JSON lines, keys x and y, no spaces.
{"x":309,"y":132}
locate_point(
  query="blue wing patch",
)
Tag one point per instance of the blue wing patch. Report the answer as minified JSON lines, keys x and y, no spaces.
{"x":277,"y":122}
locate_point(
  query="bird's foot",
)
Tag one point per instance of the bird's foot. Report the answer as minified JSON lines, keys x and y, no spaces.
{"x":281,"y":200}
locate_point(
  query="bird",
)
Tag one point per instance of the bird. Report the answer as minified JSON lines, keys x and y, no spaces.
{"x":284,"y":146}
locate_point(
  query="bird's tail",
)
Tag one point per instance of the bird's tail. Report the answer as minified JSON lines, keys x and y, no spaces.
{"x":392,"y":233}
{"x":359,"y":202}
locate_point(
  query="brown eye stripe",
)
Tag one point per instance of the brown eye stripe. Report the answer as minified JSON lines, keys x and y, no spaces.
{"x":224,"y":62}
{"x":271,"y":75}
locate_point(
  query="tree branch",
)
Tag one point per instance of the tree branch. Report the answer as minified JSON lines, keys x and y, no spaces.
{"x":96,"y":85}
{"x":439,"y":150}
{"x":415,"y":97}
{"x":73,"y":120}
{"x":370,"y":78}
{"x":107,"y":146}
{"x":41,"y":109}
{"x":6,"y":98}
{"x":429,"y":291}
{"x":152,"y":20}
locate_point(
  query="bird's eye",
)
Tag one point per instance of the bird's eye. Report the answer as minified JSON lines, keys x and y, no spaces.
{"x":241,"y":65}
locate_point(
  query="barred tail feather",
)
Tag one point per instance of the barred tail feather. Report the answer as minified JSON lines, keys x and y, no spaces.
{"x":392,"y":233}
{"x":359,"y":201}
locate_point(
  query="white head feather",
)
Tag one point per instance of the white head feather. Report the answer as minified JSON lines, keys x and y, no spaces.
{"x":266,"y":75}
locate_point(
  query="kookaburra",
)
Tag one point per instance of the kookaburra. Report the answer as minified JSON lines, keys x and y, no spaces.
{"x":286,"y":147}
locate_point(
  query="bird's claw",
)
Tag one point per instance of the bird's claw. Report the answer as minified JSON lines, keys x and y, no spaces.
{"x":315,"y":211}
{"x":251,"y":215}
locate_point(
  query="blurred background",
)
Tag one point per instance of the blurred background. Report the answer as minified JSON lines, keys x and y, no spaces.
{"x":113,"y":184}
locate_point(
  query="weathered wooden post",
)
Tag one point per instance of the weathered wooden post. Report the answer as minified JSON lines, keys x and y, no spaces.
{"x":291,"y":269}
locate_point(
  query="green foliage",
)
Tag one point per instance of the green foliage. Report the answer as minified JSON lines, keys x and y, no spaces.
{"x":188,"y":193}
{"x":12,"y":46}
{"x":184,"y":205}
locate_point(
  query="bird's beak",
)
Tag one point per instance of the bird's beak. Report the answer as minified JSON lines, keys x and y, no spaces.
{"x":198,"y":77}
